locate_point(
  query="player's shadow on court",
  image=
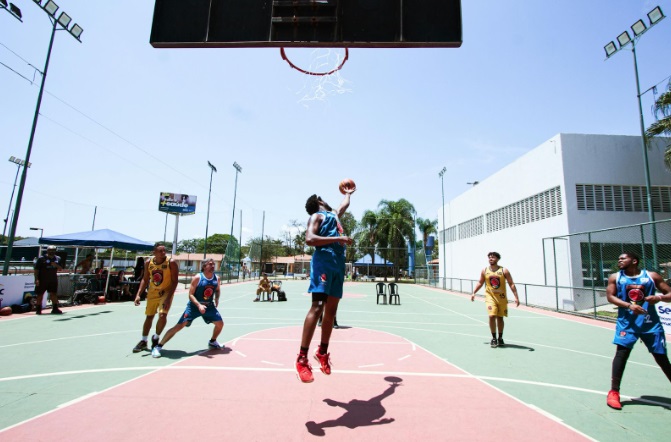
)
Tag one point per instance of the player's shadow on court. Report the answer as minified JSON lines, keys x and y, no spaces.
{"x":214,"y":353}
{"x":174,"y":354}
{"x":514,"y":347}
{"x":69,"y":318}
{"x":651,"y":401}
{"x":358,"y":413}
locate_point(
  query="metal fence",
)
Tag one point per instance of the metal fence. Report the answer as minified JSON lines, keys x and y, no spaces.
{"x":577,"y":267}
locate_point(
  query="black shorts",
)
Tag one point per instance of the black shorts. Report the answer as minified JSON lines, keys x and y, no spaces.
{"x":51,"y":287}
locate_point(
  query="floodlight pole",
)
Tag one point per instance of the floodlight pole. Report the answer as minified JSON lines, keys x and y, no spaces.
{"x":207,"y":222}
{"x":639,"y":28}
{"x":646,"y":164}
{"x":22,"y":183}
{"x":238,"y":169}
{"x":18,"y":163}
{"x":443,"y":256}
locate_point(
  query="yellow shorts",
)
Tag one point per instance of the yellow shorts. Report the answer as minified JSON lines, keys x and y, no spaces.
{"x":155,"y":304}
{"x":497,"y":305}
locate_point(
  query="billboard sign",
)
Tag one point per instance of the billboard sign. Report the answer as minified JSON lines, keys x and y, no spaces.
{"x":178,"y":203}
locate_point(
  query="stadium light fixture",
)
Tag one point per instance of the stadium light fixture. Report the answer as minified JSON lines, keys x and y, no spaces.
{"x":12,"y":9}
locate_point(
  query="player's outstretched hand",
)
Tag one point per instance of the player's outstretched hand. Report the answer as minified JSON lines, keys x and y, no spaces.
{"x":638,"y":309}
{"x":473,"y":297}
{"x":517,"y":302}
{"x":137,"y":300}
{"x":652,"y":300}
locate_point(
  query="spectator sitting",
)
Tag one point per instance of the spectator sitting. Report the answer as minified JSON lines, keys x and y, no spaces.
{"x":264,"y":286}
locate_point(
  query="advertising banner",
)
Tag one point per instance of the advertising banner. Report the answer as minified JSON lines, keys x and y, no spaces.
{"x":17,"y":290}
{"x":664,"y":311}
{"x":178,"y":203}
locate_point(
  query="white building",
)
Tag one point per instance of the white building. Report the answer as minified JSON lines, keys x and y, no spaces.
{"x":571,"y":183}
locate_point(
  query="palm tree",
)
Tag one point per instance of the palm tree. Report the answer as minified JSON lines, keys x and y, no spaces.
{"x":663,"y":125}
{"x":396,"y":226}
{"x":427,"y":227}
{"x":365,"y":236}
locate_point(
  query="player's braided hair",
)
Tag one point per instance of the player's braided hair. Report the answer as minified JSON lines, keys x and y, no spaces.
{"x":312,"y":204}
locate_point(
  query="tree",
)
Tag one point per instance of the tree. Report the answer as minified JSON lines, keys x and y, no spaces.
{"x":663,"y":125}
{"x":396,"y":228}
{"x":427,"y":227}
{"x":366,"y":234}
{"x":349,"y":225}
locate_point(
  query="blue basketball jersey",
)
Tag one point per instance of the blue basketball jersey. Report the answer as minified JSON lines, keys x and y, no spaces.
{"x":334,"y":252}
{"x":206,"y":289}
{"x":630,"y":288}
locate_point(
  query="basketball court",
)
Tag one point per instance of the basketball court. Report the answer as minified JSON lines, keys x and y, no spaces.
{"x":423,"y":369}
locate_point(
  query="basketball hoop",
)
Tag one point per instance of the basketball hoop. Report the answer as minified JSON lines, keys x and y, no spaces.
{"x":319,"y":74}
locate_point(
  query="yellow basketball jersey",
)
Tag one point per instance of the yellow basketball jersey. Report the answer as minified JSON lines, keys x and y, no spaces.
{"x":495,"y":282}
{"x":160,"y":277}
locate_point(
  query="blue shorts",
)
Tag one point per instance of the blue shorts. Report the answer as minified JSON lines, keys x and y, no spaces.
{"x":211,"y":314}
{"x":326,"y":280}
{"x":656,"y":342}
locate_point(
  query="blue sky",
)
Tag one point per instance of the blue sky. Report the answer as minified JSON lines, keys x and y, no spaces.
{"x":121,"y":121}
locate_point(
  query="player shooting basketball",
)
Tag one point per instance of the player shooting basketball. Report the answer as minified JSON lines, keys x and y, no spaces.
{"x":327,"y":275}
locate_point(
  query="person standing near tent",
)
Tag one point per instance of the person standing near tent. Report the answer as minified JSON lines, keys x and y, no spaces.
{"x":160,"y":278}
{"x":85,"y":264}
{"x":46,"y":280}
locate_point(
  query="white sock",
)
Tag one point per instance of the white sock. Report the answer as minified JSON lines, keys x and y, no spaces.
{"x":144,"y":338}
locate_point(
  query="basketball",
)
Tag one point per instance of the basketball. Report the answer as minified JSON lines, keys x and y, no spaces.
{"x":5,"y":311}
{"x":346,"y":184}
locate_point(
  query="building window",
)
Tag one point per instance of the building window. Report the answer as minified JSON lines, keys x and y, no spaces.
{"x":608,"y":198}
{"x":534,"y":208}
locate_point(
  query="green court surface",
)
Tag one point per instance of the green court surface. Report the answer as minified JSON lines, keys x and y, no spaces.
{"x":557,"y":365}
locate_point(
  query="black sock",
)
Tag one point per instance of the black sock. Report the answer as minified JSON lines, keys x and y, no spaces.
{"x":500,"y":335}
{"x":323,"y":348}
{"x":212,"y":340}
{"x":619,"y":363}
{"x":493,"y":335}
{"x":303,"y":352}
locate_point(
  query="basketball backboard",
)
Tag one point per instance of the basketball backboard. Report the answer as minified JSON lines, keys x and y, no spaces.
{"x":306,"y":23}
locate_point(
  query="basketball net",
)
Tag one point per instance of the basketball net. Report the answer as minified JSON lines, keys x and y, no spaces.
{"x":322,"y":74}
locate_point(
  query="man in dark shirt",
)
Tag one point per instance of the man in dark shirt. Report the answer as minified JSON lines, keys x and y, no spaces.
{"x":46,"y":279}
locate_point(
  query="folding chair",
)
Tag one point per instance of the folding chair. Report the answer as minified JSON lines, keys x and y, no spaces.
{"x":381,"y":290}
{"x":393,"y":293}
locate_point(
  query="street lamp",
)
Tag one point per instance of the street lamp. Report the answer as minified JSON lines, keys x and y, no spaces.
{"x":19,"y":162}
{"x":13,"y":10}
{"x":60,"y":23}
{"x":41,"y":233}
{"x":443,"y":256}
{"x":207,"y":222}
{"x":639,"y":28}
{"x":238,"y":169}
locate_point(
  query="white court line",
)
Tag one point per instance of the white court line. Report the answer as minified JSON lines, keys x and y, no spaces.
{"x":344,"y":372}
{"x":273,"y":363}
{"x":403,"y":358}
{"x":371,"y":365}
{"x":241,"y":353}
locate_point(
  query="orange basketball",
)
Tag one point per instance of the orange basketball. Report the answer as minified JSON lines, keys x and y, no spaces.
{"x":348,"y":184}
{"x":5,"y":311}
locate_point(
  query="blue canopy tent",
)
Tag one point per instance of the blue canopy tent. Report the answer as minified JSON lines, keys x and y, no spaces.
{"x":103,"y":238}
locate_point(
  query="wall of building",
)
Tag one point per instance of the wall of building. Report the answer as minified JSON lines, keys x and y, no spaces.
{"x":559,"y":163}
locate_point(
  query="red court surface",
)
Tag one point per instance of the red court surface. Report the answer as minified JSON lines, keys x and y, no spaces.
{"x":249,"y":391}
